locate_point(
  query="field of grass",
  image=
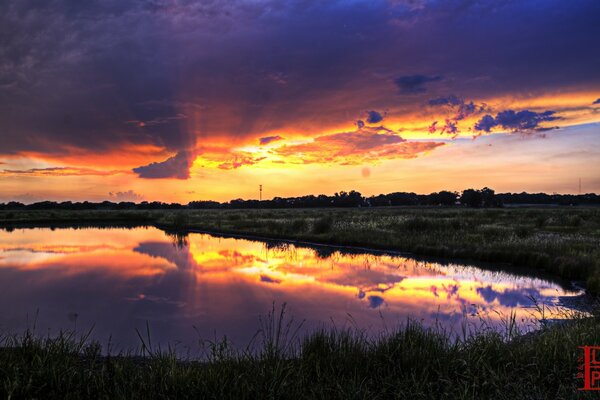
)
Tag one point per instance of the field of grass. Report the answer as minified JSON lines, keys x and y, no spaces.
{"x":410,"y":362}
{"x":561,"y":241}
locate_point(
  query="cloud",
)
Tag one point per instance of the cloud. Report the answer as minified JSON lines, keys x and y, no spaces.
{"x":239,"y":160}
{"x":374,"y":117}
{"x":177,"y":167}
{"x":524,"y":120}
{"x":448,"y":100}
{"x":458,"y":109}
{"x":61,"y":171}
{"x":597,"y":101}
{"x":486,"y":123}
{"x":98,"y":76}
{"x":462,"y":108}
{"x":351,"y":148}
{"x":156,"y":121}
{"x":269,"y":139}
{"x":128,"y":195}
{"x":411,"y":84}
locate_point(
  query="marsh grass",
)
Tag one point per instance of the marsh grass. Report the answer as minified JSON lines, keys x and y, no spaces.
{"x":410,"y":361}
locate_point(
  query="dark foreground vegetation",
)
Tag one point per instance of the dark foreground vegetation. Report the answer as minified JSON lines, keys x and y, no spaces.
{"x":561,"y":241}
{"x":411,"y":362}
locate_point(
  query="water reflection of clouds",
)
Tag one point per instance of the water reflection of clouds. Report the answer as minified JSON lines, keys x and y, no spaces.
{"x":512,"y":297}
{"x":179,"y":257}
{"x":268,"y":279}
{"x":364,"y":278}
{"x":369,"y":275}
{"x":375,"y":301}
{"x":225,"y":284}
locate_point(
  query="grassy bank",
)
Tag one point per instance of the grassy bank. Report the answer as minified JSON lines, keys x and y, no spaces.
{"x":410,"y":362}
{"x":562,"y":241}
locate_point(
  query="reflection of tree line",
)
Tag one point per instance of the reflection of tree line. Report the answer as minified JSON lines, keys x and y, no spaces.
{"x":178,"y":239}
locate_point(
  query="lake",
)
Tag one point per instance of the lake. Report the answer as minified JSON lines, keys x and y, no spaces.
{"x":202,"y":287}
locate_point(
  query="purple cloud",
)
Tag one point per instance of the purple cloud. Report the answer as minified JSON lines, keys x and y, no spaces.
{"x":253,"y":67}
{"x":177,"y":167}
{"x":451,"y":100}
{"x":597,"y":101}
{"x":459,"y":109}
{"x":374,"y":117}
{"x":269,"y":139}
{"x":486,"y":123}
{"x":411,"y":84}
{"x":525,"y":120}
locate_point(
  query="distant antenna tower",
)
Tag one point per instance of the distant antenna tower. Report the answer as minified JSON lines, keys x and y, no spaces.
{"x":260,"y":192}
{"x":579,"y":185}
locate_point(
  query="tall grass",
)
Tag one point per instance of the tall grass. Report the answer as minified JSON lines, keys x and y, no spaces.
{"x":408,"y":362}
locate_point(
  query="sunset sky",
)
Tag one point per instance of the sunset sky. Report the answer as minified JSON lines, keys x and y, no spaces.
{"x":181,"y":100}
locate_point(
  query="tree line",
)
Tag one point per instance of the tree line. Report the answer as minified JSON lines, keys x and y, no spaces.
{"x":475,"y":198}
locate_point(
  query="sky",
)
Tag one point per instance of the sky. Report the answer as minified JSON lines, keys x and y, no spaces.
{"x":181,"y":100}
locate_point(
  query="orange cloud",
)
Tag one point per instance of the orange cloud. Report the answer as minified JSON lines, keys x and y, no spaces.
{"x":350,"y":148}
{"x":122,"y":156}
{"x":240,"y":160}
{"x":61,"y":171}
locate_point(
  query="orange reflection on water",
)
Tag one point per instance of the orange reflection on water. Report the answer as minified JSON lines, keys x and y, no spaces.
{"x":70,"y":251}
{"x":118,"y":279}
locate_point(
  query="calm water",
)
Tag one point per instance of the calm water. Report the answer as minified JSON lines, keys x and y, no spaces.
{"x":118,"y":279}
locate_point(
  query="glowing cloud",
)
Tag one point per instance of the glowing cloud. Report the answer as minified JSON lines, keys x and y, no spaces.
{"x":349,"y":148}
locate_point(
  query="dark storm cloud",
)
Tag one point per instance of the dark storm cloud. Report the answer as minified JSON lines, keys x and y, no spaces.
{"x":374,"y":117}
{"x":411,"y":84}
{"x":525,"y":120}
{"x":100,"y":75}
{"x":596,"y":102}
{"x":174,"y":167}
